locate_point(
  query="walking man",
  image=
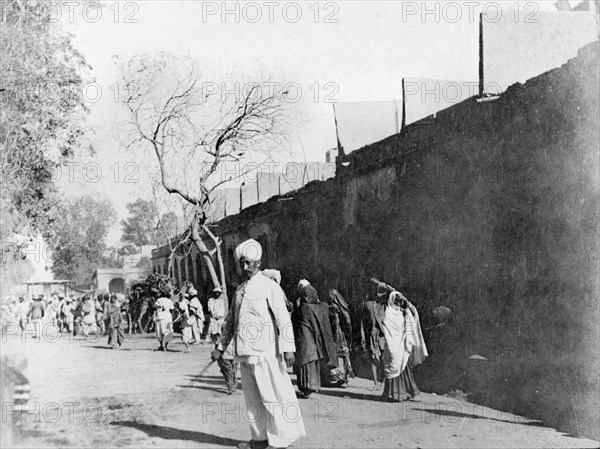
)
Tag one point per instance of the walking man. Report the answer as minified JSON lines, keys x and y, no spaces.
{"x":37,"y":310}
{"x":259,"y":329}
{"x":68,"y":310}
{"x":21,"y":312}
{"x":216,"y":307}
{"x":196,"y":315}
{"x":164,"y":322}
{"x":88,"y":321}
{"x":59,"y":314}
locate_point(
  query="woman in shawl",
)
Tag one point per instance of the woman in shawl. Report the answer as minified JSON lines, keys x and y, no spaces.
{"x":313,"y":338}
{"x":115,"y":331}
{"x":341,"y":326}
{"x":100,"y":324}
{"x":404,"y":346}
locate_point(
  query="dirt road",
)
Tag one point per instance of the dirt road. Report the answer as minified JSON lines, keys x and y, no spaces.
{"x":86,"y":395}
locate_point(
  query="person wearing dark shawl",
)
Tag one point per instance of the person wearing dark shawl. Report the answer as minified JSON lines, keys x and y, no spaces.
{"x":315,"y":346}
{"x":115,"y":318}
{"x":372,"y":338}
{"x":341,"y":326}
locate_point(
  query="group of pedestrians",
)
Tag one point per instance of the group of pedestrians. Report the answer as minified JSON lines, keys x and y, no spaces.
{"x":319,"y":349}
{"x":62,"y":313}
{"x":183,"y":310}
{"x":312,"y":337}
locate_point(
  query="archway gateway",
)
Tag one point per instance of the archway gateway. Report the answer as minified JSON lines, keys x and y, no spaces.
{"x":116,"y":285}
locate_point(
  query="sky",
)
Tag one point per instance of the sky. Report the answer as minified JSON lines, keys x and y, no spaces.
{"x":330,"y":51}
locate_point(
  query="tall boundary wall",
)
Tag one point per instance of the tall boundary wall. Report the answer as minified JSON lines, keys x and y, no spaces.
{"x":491,"y":209}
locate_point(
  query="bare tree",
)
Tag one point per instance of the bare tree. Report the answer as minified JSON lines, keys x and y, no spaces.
{"x":193,"y":124}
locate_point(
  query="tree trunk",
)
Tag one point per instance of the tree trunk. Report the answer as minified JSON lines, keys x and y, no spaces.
{"x":206,"y":256}
{"x":217,"y":243}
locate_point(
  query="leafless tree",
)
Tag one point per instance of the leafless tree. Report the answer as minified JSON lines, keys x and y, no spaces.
{"x":193,"y":124}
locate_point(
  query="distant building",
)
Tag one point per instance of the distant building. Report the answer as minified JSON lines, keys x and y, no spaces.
{"x":116,"y":280}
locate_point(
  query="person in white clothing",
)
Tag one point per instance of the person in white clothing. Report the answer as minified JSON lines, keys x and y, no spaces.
{"x":259,"y":329}
{"x":216,"y":308}
{"x":196,"y":316}
{"x":164,"y":322}
{"x":21,"y":311}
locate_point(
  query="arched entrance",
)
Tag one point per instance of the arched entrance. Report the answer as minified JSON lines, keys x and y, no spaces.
{"x":116,"y":285}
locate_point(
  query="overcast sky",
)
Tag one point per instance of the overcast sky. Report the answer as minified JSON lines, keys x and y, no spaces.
{"x":332,"y":51}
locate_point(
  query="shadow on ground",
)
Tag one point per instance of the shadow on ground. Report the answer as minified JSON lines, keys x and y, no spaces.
{"x":172,"y":433}
{"x":470,"y":416}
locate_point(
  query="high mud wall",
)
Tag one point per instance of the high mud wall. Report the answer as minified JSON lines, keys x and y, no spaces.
{"x":490,"y":209}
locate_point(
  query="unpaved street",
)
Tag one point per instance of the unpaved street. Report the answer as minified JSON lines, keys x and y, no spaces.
{"x":83,"y":394}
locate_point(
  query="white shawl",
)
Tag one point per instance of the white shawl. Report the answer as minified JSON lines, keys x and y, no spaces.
{"x":403,"y":337}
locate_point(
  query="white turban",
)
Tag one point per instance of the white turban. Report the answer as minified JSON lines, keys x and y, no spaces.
{"x":272,"y":274}
{"x":303,"y":283}
{"x":251,"y":249}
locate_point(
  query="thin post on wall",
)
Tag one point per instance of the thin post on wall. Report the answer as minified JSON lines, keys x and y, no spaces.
{"x":241,"y":204}
{"x":340,"y":148}
{"x":403,"y":105}
{"x":481,"y":85}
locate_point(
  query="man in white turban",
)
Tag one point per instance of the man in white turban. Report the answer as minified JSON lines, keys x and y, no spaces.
{"x":259,"y":329}
{"x":251,"y":249}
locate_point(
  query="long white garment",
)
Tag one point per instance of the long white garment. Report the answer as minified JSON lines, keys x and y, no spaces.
{"x":258,"y":322}
{"x":419,"y":351}
{"x":403,"y":336}
{"x":272,"y":409}
{"x":258,"y":333}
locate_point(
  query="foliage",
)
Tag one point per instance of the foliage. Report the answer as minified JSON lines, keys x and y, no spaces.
{"x":140,"y":227}
{"x":78,"y":243}
{"x":42,"y":112}
{"x":152,"y":285}
{"x":143,"y":227}
{"x":168,"y":227}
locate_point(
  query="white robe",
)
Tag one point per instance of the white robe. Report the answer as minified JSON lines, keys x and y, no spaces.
{"x":403,"y":336}
{"x":258,"y":333}
{"x":272,"y":408}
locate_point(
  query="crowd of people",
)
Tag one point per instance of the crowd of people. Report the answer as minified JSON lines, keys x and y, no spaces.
{"x":113,"y":315}
{"x":63,"y":313}
{"x":318,"y":351}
